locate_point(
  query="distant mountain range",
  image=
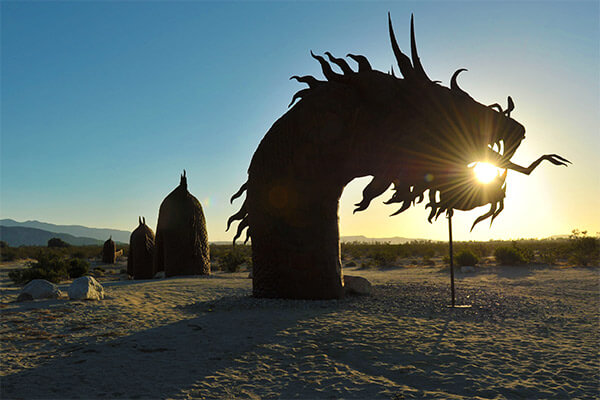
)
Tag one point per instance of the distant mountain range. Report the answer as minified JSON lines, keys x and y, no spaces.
{"x":16,"y":236}
{"x":364,"y":239}
{"x":73,"y":230}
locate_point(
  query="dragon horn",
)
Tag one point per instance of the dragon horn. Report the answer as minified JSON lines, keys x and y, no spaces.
{"x":363,"y":63}
{"x":511,"y":106}
{"x":403,"y":61}
{"x":454,"y":86}
{"x":414,"y":55}
{"x":340,"y":62}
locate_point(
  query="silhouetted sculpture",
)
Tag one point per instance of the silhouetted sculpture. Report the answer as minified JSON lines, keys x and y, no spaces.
{"x":409,"y":132}
{"x":181,"y":246}
{"x":140,"y":262}
{"x":109,"y":252}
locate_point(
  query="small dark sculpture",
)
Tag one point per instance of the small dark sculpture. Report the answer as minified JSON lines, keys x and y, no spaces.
{"x":410,"y":132}
{"x":109,"y":251}
{"x":140,"y":263}
{"x":181,"y":246}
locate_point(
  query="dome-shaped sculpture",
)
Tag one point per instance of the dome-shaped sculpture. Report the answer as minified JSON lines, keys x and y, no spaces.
{"x":140,"y":263}
{"x":181,"y":246}
{"x":109,"y":252}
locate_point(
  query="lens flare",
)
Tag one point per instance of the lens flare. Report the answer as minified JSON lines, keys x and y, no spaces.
{"x":485,"y":172}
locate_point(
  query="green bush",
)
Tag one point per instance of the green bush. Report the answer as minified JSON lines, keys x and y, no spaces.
{"x":383,"y":257}
{"x":78,"y":267}
{"x":51,"y":267}
{"x":466,"y":258}
{"x":8,"y":254}
{"x":548,"y":256}
{"x":584,"y":250}
{"x":509,"y":256}
{"x":47,"y":266}
{"x":232,"y":260}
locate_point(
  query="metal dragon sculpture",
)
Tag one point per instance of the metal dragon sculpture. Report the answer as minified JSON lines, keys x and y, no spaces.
{"x":409,"y":132}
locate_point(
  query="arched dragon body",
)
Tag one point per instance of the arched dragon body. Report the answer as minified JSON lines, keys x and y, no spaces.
{"x":408,"y":132}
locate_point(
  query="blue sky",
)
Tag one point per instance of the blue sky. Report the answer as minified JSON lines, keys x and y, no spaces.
{"x":104,"y":103}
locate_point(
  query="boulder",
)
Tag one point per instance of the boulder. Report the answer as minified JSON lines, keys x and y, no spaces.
{"x":39,"y":289}
{"x":159,"y":275}
{"x":86,"y":288}
{"x":356,"y":285}
{"x":467,"y":269}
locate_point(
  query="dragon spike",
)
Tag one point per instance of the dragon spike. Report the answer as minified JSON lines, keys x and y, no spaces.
{"x":484,"y":216}
{"x":392,"y":71}
{"x":498,"y":211}
{"x":454,"y":86}
{"x":237,"y":194}
{"x":340,"y":62}
{"x":242,"y":225}
{"x":144,"y":220}
{"x":418,"y":68}
{"x":405,"y":205}
{"x":140,"y":220}
{"x":298,"y":95}
{"x":311,"y":81}
{"x":496,"y":107}
{"x":402,"y":59}
{"x":327,"y":71}
{"x":241,"y":214}
{"x":511,"y":106}
{"x":363,"y":63}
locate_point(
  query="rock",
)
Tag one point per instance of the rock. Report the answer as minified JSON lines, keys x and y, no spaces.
{"x":39,"y":289}
{"x":467,"y":269}
{"x":24,"y":297}
{"x":159,"y":275}
{"x":356,"y":285}
{"x":86,"y":288}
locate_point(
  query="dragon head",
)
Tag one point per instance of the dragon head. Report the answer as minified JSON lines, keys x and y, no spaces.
{"x":447,"y":132}
{"x":418,"y":135}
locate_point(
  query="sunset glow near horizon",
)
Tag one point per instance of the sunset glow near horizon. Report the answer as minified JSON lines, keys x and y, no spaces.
{"x":104,"y":104}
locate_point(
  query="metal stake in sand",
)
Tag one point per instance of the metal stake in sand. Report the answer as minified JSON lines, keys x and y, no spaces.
{"x":451,"y":255}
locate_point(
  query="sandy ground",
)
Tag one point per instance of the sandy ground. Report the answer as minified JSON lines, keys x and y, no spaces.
{"x":530,"y":333}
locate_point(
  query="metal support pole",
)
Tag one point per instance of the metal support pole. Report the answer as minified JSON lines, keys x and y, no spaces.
{"x":451,"y":255}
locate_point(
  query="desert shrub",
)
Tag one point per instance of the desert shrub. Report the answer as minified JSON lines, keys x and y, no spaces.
{"x":383,"y":256}
{"x":47,"y":266}
{"x":368,"y":264}
{"x":510,"y":256}
{"x":584,"y":250}
{"x":51,"y":267}
{"x":232,"y":260}
{"x":350,"y":264}
{"x":78,"y":267}
{"x":8,"y":254}
{"x":427,"y":260}
{"x":466,"y":258}
{"x":548,"y":256}
{"x":56,"y":242}
{"x":3,"y":244}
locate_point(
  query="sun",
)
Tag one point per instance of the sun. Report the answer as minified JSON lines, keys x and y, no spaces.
{"x":485,"y":172}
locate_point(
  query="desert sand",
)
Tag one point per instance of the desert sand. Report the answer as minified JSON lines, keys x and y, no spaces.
{"x":531,"y":332}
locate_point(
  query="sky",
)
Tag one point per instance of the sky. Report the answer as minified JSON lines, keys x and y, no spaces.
{"x":103,"y":104}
